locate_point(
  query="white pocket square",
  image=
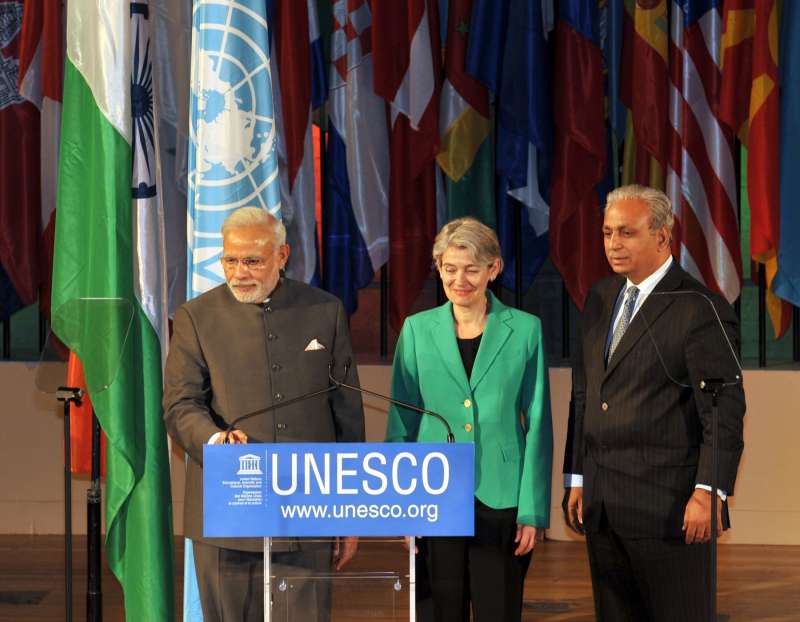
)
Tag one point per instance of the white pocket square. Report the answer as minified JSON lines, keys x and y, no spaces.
{"x":314,"y":345}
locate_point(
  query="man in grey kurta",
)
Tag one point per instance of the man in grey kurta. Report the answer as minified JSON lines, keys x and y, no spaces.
{"x":260,"y":339}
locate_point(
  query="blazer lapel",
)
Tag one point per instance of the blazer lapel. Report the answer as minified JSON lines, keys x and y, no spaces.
{"x":495,"y":335}
{"x":646,"y":316}
{"x":443,"y":335}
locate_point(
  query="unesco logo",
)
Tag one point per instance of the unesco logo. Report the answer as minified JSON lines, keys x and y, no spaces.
{"x":249,"y":464}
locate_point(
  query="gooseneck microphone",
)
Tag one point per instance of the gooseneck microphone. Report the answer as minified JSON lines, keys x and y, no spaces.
{"x":705,"y":384}
{"x":276,"y":405}
{"x":334,"y":386}
{"x":422,"y":411}
{"x":714,"y":387}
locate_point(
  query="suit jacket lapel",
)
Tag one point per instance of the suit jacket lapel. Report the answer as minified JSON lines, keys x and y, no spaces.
{"x":495,"y":335}
{"x":443,"y":335}
{"x":646,"y":316}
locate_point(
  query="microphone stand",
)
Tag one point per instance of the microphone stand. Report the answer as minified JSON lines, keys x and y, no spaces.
{"x":712,"y":387}
{"x":68,"y":395}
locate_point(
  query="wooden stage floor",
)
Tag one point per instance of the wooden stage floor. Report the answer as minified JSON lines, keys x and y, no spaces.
{"x":755,"y":582}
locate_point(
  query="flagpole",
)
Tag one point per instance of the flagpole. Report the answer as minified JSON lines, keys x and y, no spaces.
{"x":94,"y":596}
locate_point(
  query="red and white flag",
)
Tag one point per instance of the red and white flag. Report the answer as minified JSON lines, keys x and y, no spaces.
{"x":19,"y":170}
{"x":701,"y":176}
{"x":407,"y":74}
{"x":41,"y":82}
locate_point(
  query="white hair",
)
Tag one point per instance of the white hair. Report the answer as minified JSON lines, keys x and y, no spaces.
{"x":660,"y":206}
{"x":255,"y":217}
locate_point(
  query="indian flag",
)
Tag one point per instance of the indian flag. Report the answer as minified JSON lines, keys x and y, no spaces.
{"x":109,"y":292}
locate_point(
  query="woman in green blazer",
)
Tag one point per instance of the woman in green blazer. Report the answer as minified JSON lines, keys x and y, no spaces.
{"x":480,"y":364}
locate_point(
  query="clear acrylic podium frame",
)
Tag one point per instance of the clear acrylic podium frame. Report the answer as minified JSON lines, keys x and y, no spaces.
{"x":97,"y":330}
{"x":300,"y":583}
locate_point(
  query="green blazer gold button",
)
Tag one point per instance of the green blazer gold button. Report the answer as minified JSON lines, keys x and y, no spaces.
{"x":467,"y":403}
{"x":468,"y":427}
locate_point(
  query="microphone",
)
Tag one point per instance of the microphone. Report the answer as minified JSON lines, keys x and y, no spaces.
{"x":333,"y":386}
{"x":275,"y":405}
{"x":707,"y":385}
{"x":422,"y":411}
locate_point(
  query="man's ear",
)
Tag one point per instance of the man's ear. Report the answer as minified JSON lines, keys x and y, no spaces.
{"x":663,"y":237}
{"x":283,"y":255}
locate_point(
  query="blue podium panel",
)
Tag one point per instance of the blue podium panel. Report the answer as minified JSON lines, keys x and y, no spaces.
{"x":338,"y":489}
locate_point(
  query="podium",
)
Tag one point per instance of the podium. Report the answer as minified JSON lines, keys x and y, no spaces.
{"x":378,"y":583}
{"x":302,"y":499}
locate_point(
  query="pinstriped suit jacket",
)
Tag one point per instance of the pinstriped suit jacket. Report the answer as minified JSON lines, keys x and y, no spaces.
{"x":640,"y":439}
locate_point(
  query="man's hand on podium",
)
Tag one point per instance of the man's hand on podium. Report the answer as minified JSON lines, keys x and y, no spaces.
{"x":344,"y":551}
{"x":234,"y":437}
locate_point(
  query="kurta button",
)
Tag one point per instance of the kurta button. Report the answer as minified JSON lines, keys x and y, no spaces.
{"x":275,"y":367}
{"x":271,"y":336}
{"x":278,"y":397}
{"x":467,"y":404}
{"x":269,"y":309}
{"x":281,"y":426}
{"x":468,"y":427}
{"x":604,"y":406}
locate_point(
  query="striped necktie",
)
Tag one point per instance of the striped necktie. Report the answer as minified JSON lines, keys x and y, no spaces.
{"x":627,"y":313}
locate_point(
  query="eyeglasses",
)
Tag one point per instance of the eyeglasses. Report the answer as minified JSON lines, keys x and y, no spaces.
{"x":253,"y":264}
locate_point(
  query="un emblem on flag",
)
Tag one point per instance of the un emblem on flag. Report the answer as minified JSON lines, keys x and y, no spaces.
{"x":233,"y":157}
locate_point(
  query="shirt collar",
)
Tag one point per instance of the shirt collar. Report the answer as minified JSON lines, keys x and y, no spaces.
{"x":647,"y":286}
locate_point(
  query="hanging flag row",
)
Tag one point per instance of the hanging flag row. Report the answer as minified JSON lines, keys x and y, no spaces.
{"x":697,"y":75}
{"x":439,"y":109}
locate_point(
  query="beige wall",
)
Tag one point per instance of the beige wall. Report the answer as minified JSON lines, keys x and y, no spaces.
{"x":765,"y":510}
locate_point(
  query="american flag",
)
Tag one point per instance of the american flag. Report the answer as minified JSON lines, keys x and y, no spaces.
{"x":701,"y":176}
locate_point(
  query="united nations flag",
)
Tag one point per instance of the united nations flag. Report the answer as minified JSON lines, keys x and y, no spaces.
{"x":232,"y":158}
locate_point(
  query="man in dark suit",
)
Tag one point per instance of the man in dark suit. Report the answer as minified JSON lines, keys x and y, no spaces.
{"x":257,"y":340}
{"x":638,"y":456}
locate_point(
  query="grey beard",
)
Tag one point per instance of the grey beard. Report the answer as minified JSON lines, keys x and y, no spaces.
{"x":257,"y":296}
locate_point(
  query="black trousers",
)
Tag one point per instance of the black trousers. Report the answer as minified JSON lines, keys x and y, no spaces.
{"x":648,"y":579}
{"x":231,"y":583}
{"x":481,"y":569}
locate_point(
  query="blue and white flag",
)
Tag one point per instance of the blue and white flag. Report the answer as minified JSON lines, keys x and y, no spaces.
{"x":233,"y":158}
